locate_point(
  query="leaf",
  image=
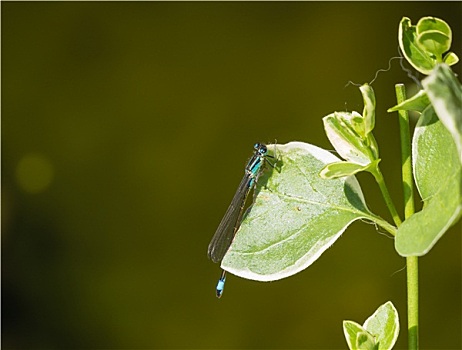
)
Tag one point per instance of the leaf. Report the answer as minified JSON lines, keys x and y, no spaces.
{"x":352,"y":330}
{"x":418,"y":103}
{"x":296,"y":215}
{"x":345,"y":132}
{"x":445,"y":94}
{"x":450,"y":59}
{"x":340,"y":169}
{"x":438,"y":177}
{"x":434,"y":35}
{"x":369,"y":108}
{"x":351,"y":133}
{"x":380,"y":331}
{"x":384,"y":325}
{"x":420,"y":59}
{"x":424,"y":44}
{"x":426,"y":24}
{"x":342,"y":131}
{"x":365,"y":341}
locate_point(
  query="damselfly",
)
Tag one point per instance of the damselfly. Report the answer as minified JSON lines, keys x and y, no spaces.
{"x":230,"y":223}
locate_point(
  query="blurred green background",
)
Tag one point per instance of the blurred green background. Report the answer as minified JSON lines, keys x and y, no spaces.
{"x":125,"y":130}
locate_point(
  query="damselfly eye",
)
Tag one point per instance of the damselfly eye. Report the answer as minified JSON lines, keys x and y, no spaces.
{"x":262,"y":150}
{"x":256,"y":146}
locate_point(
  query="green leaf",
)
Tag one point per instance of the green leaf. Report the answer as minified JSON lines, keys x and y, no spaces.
{"x":445,"y":94}
{"x":450,"y":59}
{"x":346,"y":133}
{"x":418,"y":103}
{"x":384,"y":325}
{"x":369,"y":107}
{"x":424,"y":44}
{"x":416,"y":55}
{"x":438,"y":177}
{"x":352,"y":330}
{"x":351,"y":133}
{"x":434,"y":35}
{"x":366,"y":341}
{"x":340,"y":169}
{"x":433,"y":24}
{"x":295,"y":217}
{"x":343,"y":133}
{"x":380,"y":331}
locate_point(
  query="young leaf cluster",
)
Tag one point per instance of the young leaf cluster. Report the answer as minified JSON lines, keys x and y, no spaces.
{"x":351,"y":135}
{"x":379,"y":332}
{"x":424,"y":45}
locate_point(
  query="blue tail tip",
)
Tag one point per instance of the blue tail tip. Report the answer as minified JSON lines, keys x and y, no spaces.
{"x":220,"y":287}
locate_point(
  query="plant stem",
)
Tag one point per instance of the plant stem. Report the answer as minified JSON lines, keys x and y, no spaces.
{"x":408,"y":193}
{"x":383,"y":224}
{"x":412,"y":263}
{"x":406,"y":165}
{"x":386,"y":225}
{"x":386,"y":195}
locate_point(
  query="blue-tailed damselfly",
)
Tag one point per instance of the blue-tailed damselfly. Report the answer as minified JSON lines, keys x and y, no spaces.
{"x":230,"y":223}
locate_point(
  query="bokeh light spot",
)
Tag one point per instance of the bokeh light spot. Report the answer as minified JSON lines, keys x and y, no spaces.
{"x":34,"y":173}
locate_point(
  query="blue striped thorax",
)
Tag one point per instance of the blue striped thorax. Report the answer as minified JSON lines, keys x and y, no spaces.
{"x":254,"y":165}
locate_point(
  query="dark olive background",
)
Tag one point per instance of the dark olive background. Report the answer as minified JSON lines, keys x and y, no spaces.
{"x":145,"y":114}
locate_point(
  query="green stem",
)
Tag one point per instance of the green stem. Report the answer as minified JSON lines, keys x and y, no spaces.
{"x":386,"y":195}
{"x":406,"y":165}
{"x":382,"y":223}
{"x":408,"y":192}
{"x":385,"y":225}
{"x":412,"y":263}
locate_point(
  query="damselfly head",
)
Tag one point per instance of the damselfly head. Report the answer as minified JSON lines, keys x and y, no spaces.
{"x":260,"y":149}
